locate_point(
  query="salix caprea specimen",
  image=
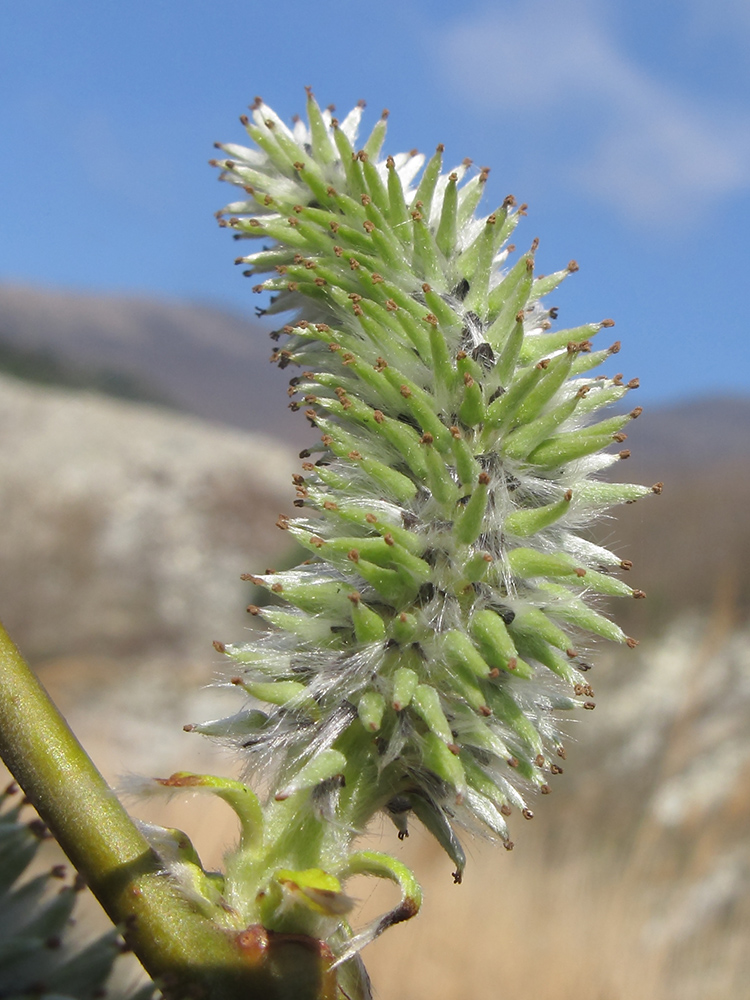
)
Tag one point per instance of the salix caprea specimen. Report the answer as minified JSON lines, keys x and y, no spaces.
{"x":418,"y":661}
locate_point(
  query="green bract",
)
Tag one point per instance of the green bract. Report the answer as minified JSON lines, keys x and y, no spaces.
{"x":419,"y":658}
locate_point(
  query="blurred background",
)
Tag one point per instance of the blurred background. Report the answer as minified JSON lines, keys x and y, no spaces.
{"x":146,"y":448}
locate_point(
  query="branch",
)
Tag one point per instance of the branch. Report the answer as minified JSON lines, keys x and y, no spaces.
{"x":184,"y":951}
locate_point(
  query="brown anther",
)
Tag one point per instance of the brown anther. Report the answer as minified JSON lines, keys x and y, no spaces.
{"x":282,"y":521}
{"x":368,"y":226}
{"x":615,"y":349}
{"x":545,"y":789}
{"x":355,"y":456}
{"x":378,"y":416}
{"x":331,"y":191}
{"x":484,"y":173}
{"x":580,"y":571}
{"x":277,"y":588}
{"x":527,"y":814}
{"x":353,"y":555}
{"x":426,"y":438}
{"x":639,"y":594}
{"x":258,"y":288}
{"x":317,"y":541}
{"x":454,"y":748}
{"x":634,"y":414}
{"x":468,"y":380}
{"x":455,"y":432}
{"x":330,"y":505}
{"x":327,"y":440}
{"x":354,"y":296}
{"x":292,"y":287}
{"x":543,"y":364}
{"x":354,"y":264}
{"x":390,"y":163}
{"x":380,"y":364}
{"x":298,"y":165}
{"x":338,"y":250}
{"x":619,"y":437}
{"x":513,"y":761}
{"x":358,"y":310}
{"x":572,"y":266}
{"x":508,"y":845}
{"x":388,"y":539}
{"x":334,"y":226}
{"x":405,"y":391}
{"x":485,"y":710}
{"x":494,"y":673}
{"x":365,"y":199}
{"x":487,"y":557}
{"x":631,"y":643}
{"x":219,"y":646}
{"x":568,"y":495}
{"x":416,"y":216}
{"x":490,"y":220}
{"x":347,"y":358}
{"x":376,"y":278}
{"x":624,"y":454}
{"x":431,"y":318}
{"x":633,"y":383}
{"x":539,"y":760}
{"x":529,"y":264}
{"x":626,"y":564}
{"x":589,"y":705}
{"x":390,"y":305}
{"x":484,"y":478}
{"x":320,"y":282}
{"x":308,"y":467}
{"x":571,"y":654}
{"x":371,"y":519}
{"x":657,"y":488}
{"x":355,"y":597}
{"x":555,"y":769}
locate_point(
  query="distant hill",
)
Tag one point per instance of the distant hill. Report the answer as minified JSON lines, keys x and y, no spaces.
{"x":691,"y":546}
{"x":214,"y":363}
{"x":200,"y":359}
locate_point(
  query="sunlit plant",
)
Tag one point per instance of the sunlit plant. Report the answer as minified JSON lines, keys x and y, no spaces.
{"x":421,"y":660}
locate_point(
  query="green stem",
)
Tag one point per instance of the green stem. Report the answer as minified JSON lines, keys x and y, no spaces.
{"x":183,"y":950}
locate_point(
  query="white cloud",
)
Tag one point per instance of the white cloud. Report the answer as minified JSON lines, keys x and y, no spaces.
{"x":630,"y":139}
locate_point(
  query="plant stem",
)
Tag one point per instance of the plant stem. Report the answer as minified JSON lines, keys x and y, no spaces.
{"x":185,"y":952}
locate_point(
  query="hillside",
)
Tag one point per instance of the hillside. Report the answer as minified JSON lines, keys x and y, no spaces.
{"x":124,"y":532}
{"x":200,"y":359}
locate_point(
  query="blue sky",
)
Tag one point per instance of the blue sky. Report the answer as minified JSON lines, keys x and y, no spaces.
{"x":624,"y":125}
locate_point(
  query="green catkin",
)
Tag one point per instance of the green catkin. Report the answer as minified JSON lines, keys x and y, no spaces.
{"x":404,"y":667}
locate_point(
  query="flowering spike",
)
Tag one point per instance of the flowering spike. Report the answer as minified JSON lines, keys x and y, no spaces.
{"x":405,"y":668}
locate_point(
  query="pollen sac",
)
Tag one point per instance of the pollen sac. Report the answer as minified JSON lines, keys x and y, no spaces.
{"x":431,"y":636}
